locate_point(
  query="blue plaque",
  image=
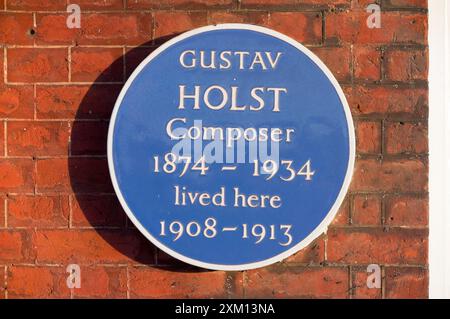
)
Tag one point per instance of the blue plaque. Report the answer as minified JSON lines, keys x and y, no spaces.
{"x":231,"y":147}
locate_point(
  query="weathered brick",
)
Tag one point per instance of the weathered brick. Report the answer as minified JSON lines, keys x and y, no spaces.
{"x":368,"y":137}
{"x":97,"y":64}
{"x":179,"y":4}
{"x":407,"y":211}
{"x":2,"y":138}
{"x":114,"y":28}
{"x":15,"y":246}
{"x":134,"y":57}
{"x":252,"y":17}
{"x":388,"y":101}
{"x":314,"y":253}
{"x":166,"y":283}
{"x":97,"y":211}
{"x":80,"y":101}
{"x":338,"y":60}
{"x":16,"y":28}
{"x":406,"y":283}
{"x":92,"y":247}
{"x":377,"y":245}
{"x":102,"y":282}
{"x":51,"y":29}
{"x":2,"y":282}
{"x":16,"y":102}
{"x":99,"y":4}
{"x":397,"y":27}
{"x":81,"y":175}
{"x":38,"y":211}
{"x":17,"y":175}
{"x":405,"y":4}
{"x":366,"y":210}
{"x":308,"y":26}
{"x":404,"y":137}
{"x":169,"y":24}
{"x":359,"y":288}
{"x":390,"y":176}
{"x":37,"y":65}
{"x":29,"y":138}
{"x":406,"y":65}
{"x":36,"y":4}
{"x":343,"y":215}
{"x":37,"y":282}
{"x":298,"y":282}
{"x":314,"y":4}
{"x":367,"y":63}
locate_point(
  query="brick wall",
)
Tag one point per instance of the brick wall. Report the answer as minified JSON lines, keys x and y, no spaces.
{"x":57,"y":205}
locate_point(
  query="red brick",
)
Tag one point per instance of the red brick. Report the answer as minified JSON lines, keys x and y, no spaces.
{"x":2,"y":282}
{"x":134,"y":57}
{"x":390,"y":176}
{"x":405,"y":66}
{"x":359,"y":285}
{"x":96,"y":28}
{"x":298,"y":282}
{"x":368,"y":137}
{"x":294,"y":3}
{"x":406,"y":283}
{"x":377,"y":245}
{"x":343,"y":215}
{"x":89,"y":138}
{"x":99,"y":4}
{"x":38,"y":138}
{"x":405,"y":3}
{"x":36,"y":4}
{"x":52,"y":28}
{"x":38,"y":211}
{"x":37,"y":282}
{"x":37,"y":65}
{"x":308,"y":26}
{"x":97,"y":211}
{"x":407,"y":211}
{"x":397,"y":27}
{"x":16,"y":28}
{"x":165,"y":260}
{"x":166,"y":283}
{"x":16,"y":102}
{"x":169,"y":24}
{"x":81,"y":102}
{"x":338,"y":60}
{"x":114,"y":28}
{"x":15,"y":247}
{"x":251,"y":17}
{"x":366,"y":210}
{"x":367,"y":63}
{"x":404,"y":137}
{"x":81,"y":175}
{"x":2,"y":138}
{"x":314,"y":253}
{"x":16,"y":175}
{"x":2,"y":212}
{"x":388,"y":101}
{"x":92,"y":247}
{"x":97,"y":64}
{"x":102,"y":282}
{"x":361,"y":5}
{"x":178,"y":4}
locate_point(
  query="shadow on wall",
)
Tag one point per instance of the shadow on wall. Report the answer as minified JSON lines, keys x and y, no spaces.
{"x":96,"y":204}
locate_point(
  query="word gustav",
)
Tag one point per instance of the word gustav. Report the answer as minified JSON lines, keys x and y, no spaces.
{"x":226,"y":59}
